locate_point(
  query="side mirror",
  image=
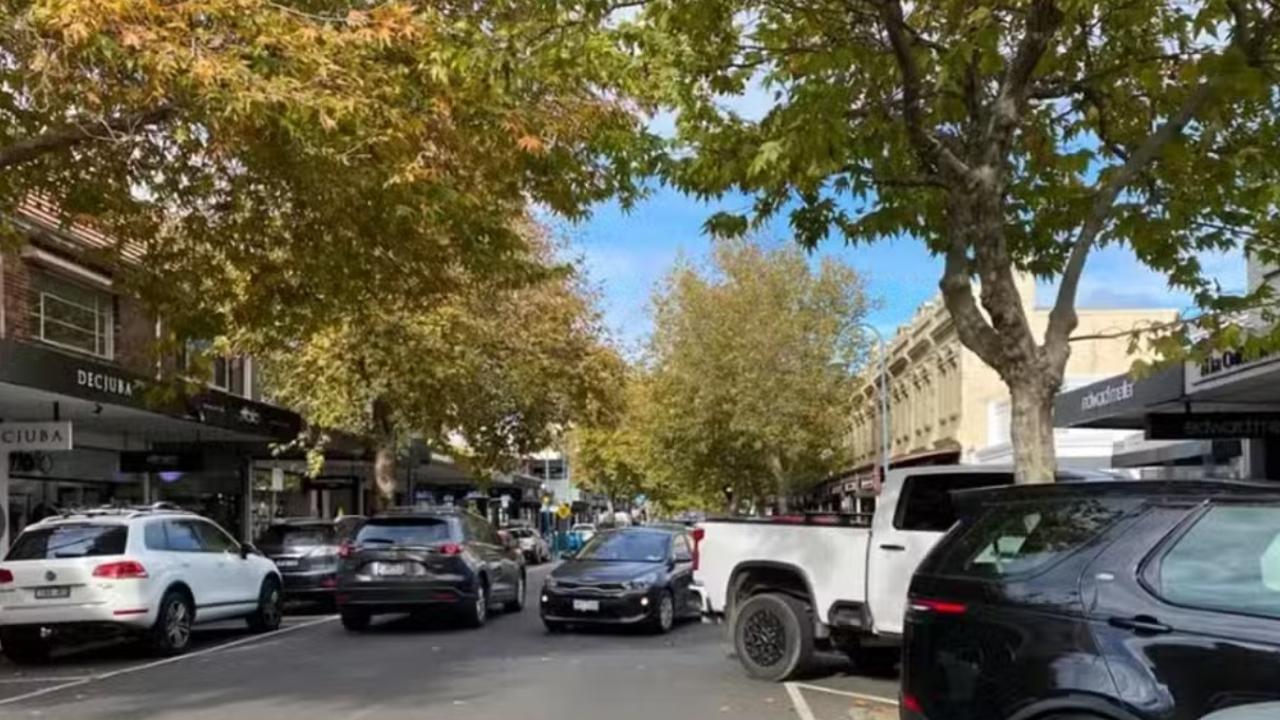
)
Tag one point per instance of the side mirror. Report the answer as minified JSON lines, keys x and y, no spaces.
{"x":247,"y":549}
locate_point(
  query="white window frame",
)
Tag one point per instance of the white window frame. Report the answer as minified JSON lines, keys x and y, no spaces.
{"x":104,"y":320}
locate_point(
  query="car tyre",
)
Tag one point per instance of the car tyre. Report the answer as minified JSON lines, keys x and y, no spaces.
{"x":475,"y":615}
{"x":270,"y":610}
{"x":517,"y":604}
{"x":171,"y":635}
{"x":355,"y":620}
{"x":664,"y":615}
{"x":773,"y":636}
{"x":24,"y":646}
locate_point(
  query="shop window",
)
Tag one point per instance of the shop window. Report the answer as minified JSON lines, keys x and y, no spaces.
{"x":70,"y":315}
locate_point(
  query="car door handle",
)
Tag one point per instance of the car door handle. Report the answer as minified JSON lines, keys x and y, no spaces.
{"x":895,"y":548}
{"x":1140,"y":624}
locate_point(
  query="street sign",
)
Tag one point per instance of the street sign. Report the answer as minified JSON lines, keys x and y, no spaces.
{"x":34,"y":436}
{"x":277,"y":479}
{"x":563,"y":512}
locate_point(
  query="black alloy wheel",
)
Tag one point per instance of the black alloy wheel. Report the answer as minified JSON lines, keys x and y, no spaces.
{"x":773,"y":636}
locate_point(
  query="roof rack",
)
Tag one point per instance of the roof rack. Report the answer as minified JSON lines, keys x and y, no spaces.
{"x":125,"y":511}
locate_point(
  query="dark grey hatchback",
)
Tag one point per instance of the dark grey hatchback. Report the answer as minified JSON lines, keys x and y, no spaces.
{"x":428,"y":560}
{"x":1100,"y":601}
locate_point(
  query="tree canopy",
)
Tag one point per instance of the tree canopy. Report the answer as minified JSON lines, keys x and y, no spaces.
{"x":487,"y":375}
{"x":744,"y":387}
{"x":263,"y":153}
{"x":1004,"y":136}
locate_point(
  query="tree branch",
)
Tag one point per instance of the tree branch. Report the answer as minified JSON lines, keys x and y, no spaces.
{"x":1043,"y":21}
{"x":933,"y":154}
{"x":28,"y":149}
{"x":957,"y":295}
{"x":1062,"y":319}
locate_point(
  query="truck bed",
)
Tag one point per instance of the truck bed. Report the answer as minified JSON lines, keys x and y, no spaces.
{"x":829,"y":551}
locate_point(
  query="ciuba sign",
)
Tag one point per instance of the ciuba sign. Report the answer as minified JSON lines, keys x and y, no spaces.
{"x":34,"y":436}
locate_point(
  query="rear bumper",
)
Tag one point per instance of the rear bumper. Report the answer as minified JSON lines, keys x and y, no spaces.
{"x":134,"y":616}
{"x":310,"y":584}
{"x":403,"y":597}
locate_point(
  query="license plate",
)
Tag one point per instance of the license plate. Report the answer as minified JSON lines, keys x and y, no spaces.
{"x":52,"y":593}
{"x":586,"y":605}
{"x":286,"y":563}
{"x":391,"y":569}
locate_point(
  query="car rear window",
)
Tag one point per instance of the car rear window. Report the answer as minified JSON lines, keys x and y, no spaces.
{"x":1021,"y":537}
{"x":405,"y":531}
{"x":69,"y":541}
{"x":299,"y":536}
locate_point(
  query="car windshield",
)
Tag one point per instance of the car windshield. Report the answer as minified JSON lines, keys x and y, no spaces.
{"x":284,"y":536}
{"x":627,"y":547}
{"x":404,"y":531}
{"x":70,"y":541}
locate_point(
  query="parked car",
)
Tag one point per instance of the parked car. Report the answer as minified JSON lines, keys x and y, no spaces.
{"x":423,"y":560}
{"x":535,"y":548}
{"x":147,"y":572}
{"x":789,"y":584}
{"x":1123,"y":601}
{"x":305,"y":550}
{"x":623,"y":577}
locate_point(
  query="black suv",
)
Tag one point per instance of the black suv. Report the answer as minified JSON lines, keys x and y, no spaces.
{"x":1129,"y":600}
{"x":423,"y":560}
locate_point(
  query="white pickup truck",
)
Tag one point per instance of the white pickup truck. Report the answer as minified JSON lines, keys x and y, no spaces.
{"x":789,"y":585}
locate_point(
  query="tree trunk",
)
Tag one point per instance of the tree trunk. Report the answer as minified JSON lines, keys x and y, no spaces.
{"x":384,"y":458}
{"x":780,"y":482}
{"x":1031,"y":428}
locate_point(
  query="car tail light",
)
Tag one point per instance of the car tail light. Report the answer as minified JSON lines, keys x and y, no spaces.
{"x":122,"y":570}
{"x":344,"y":550}
{"x":449,"y":549}
{"x":939,"y":607}
{"x":911,"y":704}
{"x":698,"y":535}
{"x":5,"y":576}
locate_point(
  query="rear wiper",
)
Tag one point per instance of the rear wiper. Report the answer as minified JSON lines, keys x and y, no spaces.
{"x":381,"y":541}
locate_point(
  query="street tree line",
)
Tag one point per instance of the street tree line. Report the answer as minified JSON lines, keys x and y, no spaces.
{"x":744,"y":390}
{"x":305,"y":175}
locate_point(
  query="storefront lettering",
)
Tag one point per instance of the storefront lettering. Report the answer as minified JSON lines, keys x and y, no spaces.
{"x":31,"y":436}
{"x":1107,"y":396}
{"x":35,"y":436}
{"x":104,"y":383}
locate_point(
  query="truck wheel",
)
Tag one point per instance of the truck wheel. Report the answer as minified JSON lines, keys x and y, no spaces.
{"x":773,"y":636}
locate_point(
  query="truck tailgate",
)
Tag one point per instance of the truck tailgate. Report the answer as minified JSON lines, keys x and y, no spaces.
{"x":832,"y":559}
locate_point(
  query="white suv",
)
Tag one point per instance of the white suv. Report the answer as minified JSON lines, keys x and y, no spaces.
{"x":151,"y":572}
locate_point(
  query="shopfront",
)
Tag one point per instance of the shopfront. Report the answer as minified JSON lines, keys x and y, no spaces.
{"x":133,"y":441}
{"x":1218,"y":418}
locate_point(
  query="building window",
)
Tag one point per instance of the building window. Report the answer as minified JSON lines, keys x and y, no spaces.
{"x":226,"y":373}
{"x":70,"y":315}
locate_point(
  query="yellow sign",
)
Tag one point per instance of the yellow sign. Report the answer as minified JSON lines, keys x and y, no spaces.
{"x":563,"y":512}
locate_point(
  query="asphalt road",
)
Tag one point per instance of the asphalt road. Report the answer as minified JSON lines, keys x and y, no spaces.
{"x":314,"y":670}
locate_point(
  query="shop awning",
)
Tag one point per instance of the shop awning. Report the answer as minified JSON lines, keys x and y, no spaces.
{"x":1123,"y":401}
{"x":37,"y":383}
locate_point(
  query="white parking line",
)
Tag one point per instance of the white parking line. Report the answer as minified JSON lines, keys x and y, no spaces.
{"x":43,"y":680}
{"x":166,"y":661}
{"x":845,"y":693}
{"x":797,"y":700}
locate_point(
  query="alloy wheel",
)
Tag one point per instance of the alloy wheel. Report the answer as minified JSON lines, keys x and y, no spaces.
{"x":482,"y":604}
{"x":765,"y":638}
{"x":177,"y":629}
{"x":272,"y":614}
{"x":666,"y":613}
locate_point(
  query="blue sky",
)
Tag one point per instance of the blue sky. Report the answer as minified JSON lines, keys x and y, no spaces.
{"x":627,"y":255}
